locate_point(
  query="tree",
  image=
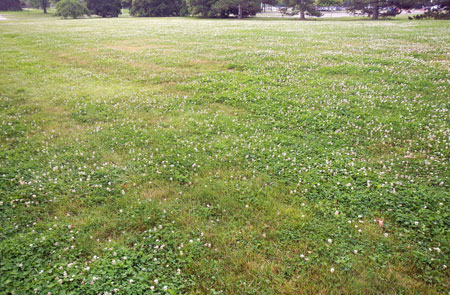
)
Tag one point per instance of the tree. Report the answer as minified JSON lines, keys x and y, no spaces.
{"x":184,"y":11}
{"x":439,"y":10}
{"x":239,"y":8}
{"x":126,"y":3}
{"x":105,"y":8}
{"x":44,"y":5}
{"x":224,"y":8}
{"x":32,"y":3}
{"x":329,"y":3}
{"x":201,"y":7}
{"x":71,"y":8}
{"x":10,"y":5}
{"x":379,"y":8}
{"x":445,"y":4}
{"x":155,"y":8}
{"x":302,"y":7}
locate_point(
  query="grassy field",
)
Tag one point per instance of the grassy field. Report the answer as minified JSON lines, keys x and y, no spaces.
{"x":190,"y":156}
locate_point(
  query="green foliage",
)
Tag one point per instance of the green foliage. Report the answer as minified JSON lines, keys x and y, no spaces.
{"x":223,"y":8}
{"x":39,"y":3}
{"x":301,"y":7}
{"x":433,"y":15}
{"x":379,"y":8}
{"x":33,"y":3}
{"x":126,"y":3}
{"x":201,"y":7}
{"x":71,"y":8}
{"x":10,"y":5}
{"x":443,"y":12}
{"x":155,"y":8}
{"x":184,"y":11}
{"x":44,"y":4}
{"x":327,"y":3}
{"x":444,"y":4}
{"x":105,"y":8}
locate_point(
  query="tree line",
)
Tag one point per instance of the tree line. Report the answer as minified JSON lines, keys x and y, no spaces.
{"x":220,"y":8}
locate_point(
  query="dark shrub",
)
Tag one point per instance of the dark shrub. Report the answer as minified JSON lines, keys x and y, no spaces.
{"x":105,"y":8}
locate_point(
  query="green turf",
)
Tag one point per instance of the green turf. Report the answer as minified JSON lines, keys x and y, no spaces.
{"x":194,"y":156}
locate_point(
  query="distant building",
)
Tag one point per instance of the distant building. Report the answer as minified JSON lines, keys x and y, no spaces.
{"x":271,"y":8}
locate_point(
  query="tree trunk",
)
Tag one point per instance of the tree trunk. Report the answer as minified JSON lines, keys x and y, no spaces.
{"x":239,"y":11}
{"x":375,"y":12}
{"x":302,"y":10}
{"x":44,"y":6}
